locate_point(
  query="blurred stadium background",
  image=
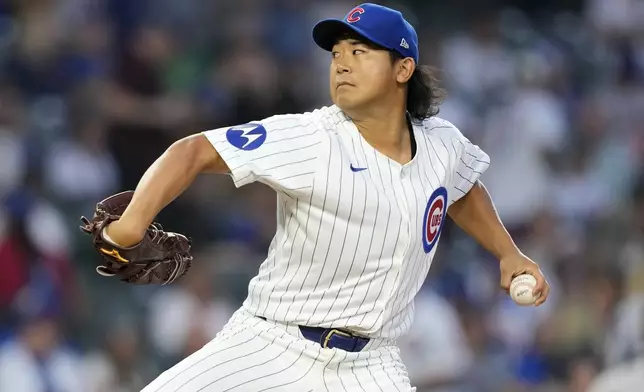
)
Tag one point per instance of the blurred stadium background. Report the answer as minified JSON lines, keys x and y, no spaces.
{"x":92,"y":91}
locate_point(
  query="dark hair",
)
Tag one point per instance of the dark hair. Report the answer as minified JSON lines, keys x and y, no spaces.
{"x":424,"y":95}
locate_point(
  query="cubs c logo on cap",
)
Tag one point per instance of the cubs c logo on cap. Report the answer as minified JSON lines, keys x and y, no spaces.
{"x":354,"y":15}
{"x":434,"y":218}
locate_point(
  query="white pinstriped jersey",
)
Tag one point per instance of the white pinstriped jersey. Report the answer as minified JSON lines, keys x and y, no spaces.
{"x":356,"y":231}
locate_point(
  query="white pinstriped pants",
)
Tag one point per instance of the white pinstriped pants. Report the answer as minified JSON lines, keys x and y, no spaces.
{"x":253,"y":355}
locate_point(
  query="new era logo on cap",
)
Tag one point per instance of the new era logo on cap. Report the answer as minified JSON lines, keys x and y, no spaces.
{"x":383,"y":26}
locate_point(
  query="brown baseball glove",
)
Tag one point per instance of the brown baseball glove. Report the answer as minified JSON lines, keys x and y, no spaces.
{"x":160,"y":258}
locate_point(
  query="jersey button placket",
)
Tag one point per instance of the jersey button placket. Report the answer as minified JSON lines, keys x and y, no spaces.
{"x":408,"y":218}
{"x":404,"y":209}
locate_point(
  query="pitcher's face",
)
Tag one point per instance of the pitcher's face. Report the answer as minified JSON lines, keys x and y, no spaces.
{"x":359,"y":74}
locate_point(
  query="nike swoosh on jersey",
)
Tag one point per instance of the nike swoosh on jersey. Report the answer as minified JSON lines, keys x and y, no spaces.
{"x":356,"y":169}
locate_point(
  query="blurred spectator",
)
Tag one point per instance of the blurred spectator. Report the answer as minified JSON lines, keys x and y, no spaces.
{"x":140,"y":113}
{"x":533,"y":123}
{"x":491,"y":366}
{"x":13,"y":154}
{"x":81,"y":168}
{"x":435,"y":350}
{"x":582,"y":374}
{"x":120,"y":365}
{"x":36,"y":360}
{"x":621,"y":378}
{"x":187,"y":316}
{"x":481,"y":45}
{"x":615,"y":18}
{"x":36,"y":250}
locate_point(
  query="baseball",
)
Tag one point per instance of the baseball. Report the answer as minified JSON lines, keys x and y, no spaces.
{"x":521,"y":289}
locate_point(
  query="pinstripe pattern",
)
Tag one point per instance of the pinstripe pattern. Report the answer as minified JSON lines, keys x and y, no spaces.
{"x":253,"y":355}
{"x":348,"y":248}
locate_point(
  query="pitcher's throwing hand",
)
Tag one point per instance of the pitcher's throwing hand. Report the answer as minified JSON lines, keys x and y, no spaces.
{"x":518,"y":264}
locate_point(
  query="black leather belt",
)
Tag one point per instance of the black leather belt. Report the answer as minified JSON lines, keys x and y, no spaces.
{"x":333,"y":338}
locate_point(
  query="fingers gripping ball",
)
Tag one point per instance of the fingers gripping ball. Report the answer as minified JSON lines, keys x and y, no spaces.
{"x":160,"y":258}
{"x":521,"y":290}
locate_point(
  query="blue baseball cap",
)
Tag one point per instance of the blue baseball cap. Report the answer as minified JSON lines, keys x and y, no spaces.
{"x":383,"y":26}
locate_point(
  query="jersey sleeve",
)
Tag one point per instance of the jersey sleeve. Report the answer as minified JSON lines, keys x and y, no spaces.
{"x":280,"y":151}
{"x":469,"y":163}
